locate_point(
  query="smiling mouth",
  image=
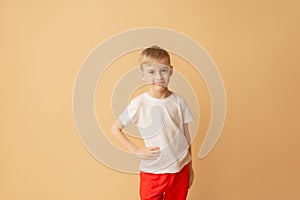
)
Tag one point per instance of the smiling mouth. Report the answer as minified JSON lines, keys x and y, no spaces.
{"x":159,"y":83}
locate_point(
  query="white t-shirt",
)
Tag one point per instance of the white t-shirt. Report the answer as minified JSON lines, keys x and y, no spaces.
{"x":160,"y":123}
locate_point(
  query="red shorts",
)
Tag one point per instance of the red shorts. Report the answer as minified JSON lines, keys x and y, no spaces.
{"x":172,"y":186}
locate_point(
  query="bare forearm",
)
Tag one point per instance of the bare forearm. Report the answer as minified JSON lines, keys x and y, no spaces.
{"x":123,"y":139}
{"x":147,"y":153}
{"x":188,"y":137}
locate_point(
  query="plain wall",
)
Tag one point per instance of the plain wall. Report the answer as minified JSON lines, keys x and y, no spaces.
{"x":255,"y":45}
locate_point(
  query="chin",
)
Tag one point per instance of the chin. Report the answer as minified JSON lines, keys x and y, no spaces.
{"x":159,"y":88}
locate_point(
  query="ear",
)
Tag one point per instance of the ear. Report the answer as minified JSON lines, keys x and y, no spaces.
{"x":171,"y":70}
{"x":142,"y":75}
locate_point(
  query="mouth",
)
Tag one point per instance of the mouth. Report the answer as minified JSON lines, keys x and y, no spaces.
{"x":161,"y":83}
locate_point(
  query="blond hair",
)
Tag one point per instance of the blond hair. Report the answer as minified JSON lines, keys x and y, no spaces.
{"x":152,"y":54}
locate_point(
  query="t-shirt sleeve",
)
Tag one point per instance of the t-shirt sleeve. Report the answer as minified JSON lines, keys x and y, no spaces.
{"x":186,"y":112}
{"x":127,"y":116}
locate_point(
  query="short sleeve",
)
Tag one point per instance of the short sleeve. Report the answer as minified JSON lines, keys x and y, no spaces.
{"x":186,"y":112}
{"x":128,"y":115}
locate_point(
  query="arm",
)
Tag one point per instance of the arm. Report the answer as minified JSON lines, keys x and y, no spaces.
{"x":148,"y":153}
{"x":188,"y":138}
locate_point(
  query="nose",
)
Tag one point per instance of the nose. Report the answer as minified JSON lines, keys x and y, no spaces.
{"x":158,"y":75}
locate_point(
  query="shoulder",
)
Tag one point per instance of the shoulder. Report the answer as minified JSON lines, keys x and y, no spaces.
{"x":181,"y":102}
{"x":180,"y":98}
{"x":138,"y":99}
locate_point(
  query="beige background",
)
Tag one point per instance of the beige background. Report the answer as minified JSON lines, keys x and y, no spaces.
{"x":255,"y":45}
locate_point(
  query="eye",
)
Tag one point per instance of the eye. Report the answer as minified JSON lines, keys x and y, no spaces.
{"x":150,"y":72}
{"x":164,"y":70}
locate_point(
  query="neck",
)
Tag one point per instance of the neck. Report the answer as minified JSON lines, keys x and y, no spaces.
{"x":159,"y":94}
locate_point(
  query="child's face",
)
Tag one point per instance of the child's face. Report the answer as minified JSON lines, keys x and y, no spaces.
{"x":157,"y":74}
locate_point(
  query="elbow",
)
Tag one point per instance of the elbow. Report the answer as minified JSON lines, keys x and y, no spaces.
{"x":114,"y":130}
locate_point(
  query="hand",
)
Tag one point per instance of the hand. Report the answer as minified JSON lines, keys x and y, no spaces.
{"x":148,"y":153}
{"x":191,"y":175}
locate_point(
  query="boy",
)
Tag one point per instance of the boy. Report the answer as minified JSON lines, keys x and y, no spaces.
{"x":162,"y":119}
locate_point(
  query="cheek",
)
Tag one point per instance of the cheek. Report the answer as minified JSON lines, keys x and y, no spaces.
{"x":149,"y":78}
{"x":166,"y":76}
